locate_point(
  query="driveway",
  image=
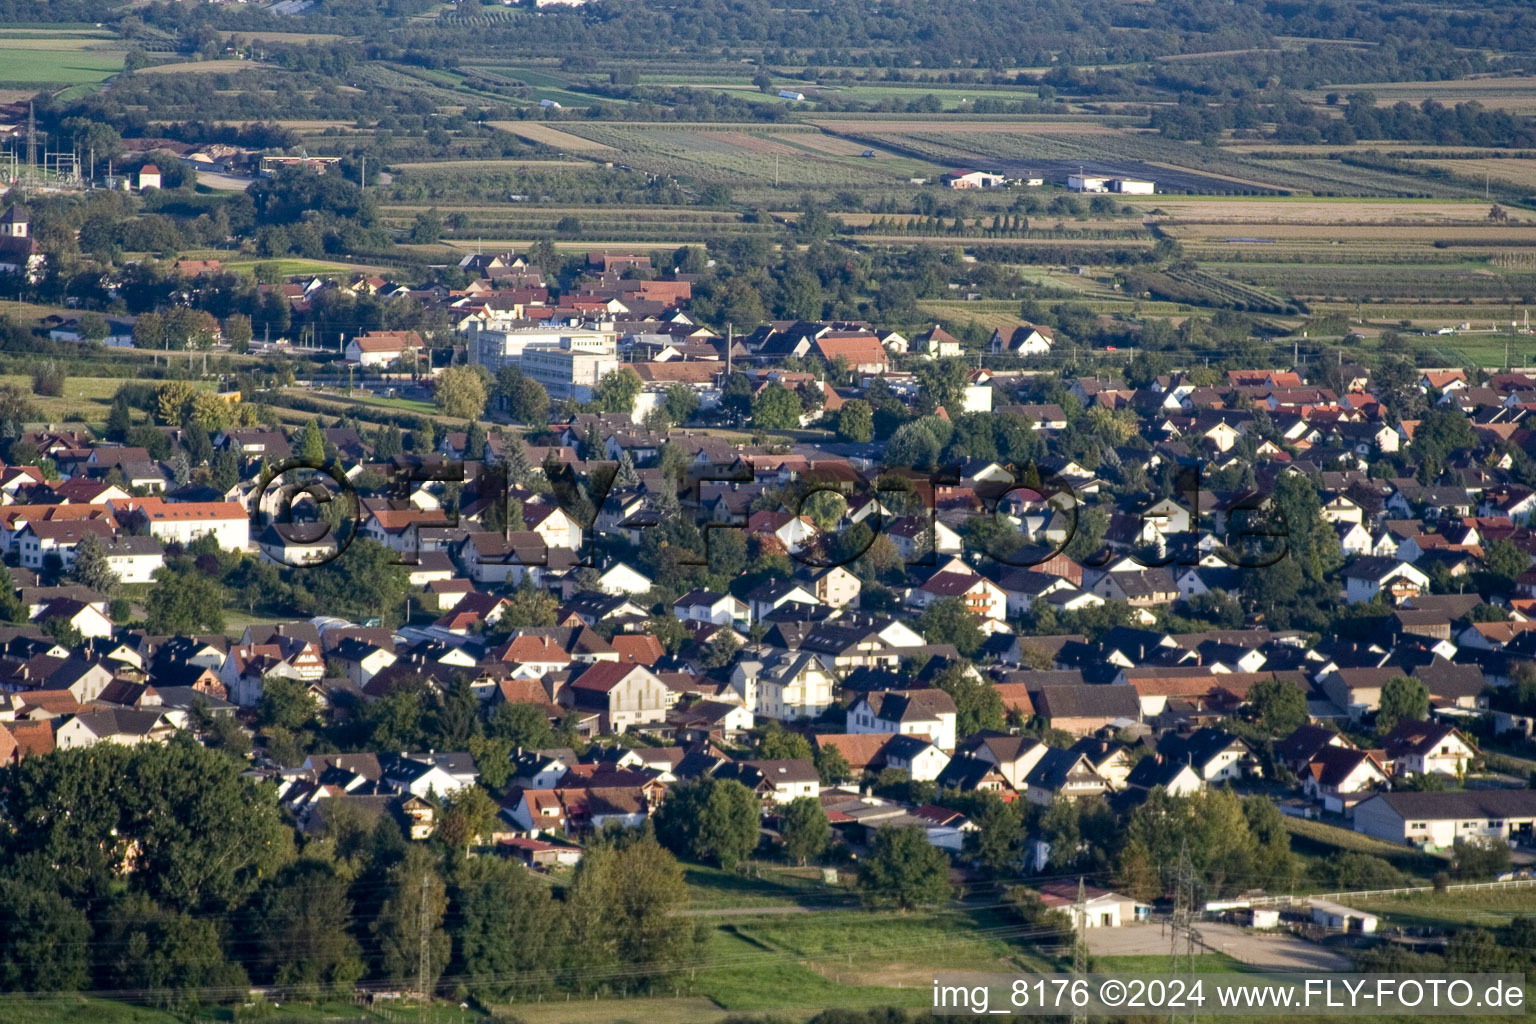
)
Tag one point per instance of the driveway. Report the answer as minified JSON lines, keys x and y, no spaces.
{"x":1278,"y":951}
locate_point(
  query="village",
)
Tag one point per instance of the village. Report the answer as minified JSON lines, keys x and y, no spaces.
{"x":1039,"y":607}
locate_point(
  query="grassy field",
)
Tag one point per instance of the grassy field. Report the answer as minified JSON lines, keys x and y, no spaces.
{"x":1516,"y":94}
{"x":1486,"y":907}
{"x":1311,"y":210}
{"x":204,"y":67}
{"x":58,"y":65}
{"x":1319,"y":839}
{"x":1521,"y":173}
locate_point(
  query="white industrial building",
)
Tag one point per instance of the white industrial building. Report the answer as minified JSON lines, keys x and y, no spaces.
{"x":1081,"y":182}
{"x":1437,"y":820}
{"x":567,"y":361}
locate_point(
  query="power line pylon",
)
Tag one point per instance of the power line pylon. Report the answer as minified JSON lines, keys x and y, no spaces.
{"x":1183,"y":935}
{"x":1080,"y":945}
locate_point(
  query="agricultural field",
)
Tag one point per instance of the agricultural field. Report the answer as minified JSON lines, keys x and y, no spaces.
{"x":1520,"y":173}
{"x":57,"y":65}
{"x":1483,"y":907}
{"x":1280,"y":210}
{"x":548,"y":135}
{"x":204,"y":67}
{"x":744,"y":155}
{"x":1516,"y":94}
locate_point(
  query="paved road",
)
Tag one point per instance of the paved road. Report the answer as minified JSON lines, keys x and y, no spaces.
{"x":1280,"y":951}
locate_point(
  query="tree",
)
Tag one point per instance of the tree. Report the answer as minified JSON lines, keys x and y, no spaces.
{"x":91,"y":568}
{"x":303,"y":930}
{"x":1402,"y":698}
{"x":680,"y":403}
{"x":496,"y":905}
{"x":527,"y":400}
{"x":1480,"y":859}
{"x":913,"y":444}
{"x":474,"y":441}
{"x":856,"y":421}
{"x":523,"y":724}
{"x":286,"y":703}
{"x":530,"y":606}
{"x":165,"y":953}
{"x":45,"y":942}
{"x":470,"y":814}
{"x":949,"y":621}
{"x":172,"y":399}
{"x":998,"y":836}
{"x":832,"y":766}
{"x":312,"y":444}
{"x":398,"y":927}
{"x":184,"y":601}
{"x":978,"y":705}
{"x":617,"y":391}
{"x":203,"y":836}
{"x":427,"y":229}
{"x":775,"y":408}
{"x":805,"y":829}
{"x":709,"y":819}
{"x":779,"y":744}
{"x":460,"y":391}
{"x":1505,"y":559}
{"x":92,"y":327}
{"x":623,"y":906}
{"x":904,"y":870}
{"x":1281,"y":706}
{"x":237,"y":331}
{"x":365,"y":578}
{"x":943,"y":382}
{"x":668,"y":631}
{"x":119,"y":419}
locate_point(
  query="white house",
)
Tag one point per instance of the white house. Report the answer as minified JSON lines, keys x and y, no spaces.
{"x":135,"y":559}
{"x":1437,"y":820}
{"x":620,"y":579}
{"x":915,"y":755}
{"x":929,"y":713}
{"x":1372,"y":575}
{"x":1028,"y":340}
{"x":1427,"y":748}
{"x":707,"y":606}
{"x":1340,"y":777}
{"x":1101,"y":908}
{"x":182,"y":522}
{"x":786,"y":687}
{"x":383,"y":348}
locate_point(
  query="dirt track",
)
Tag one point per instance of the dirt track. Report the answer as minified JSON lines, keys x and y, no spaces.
{"x":1277,"y":952}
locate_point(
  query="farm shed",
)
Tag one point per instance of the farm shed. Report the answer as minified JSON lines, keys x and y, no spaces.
{"x":1335,"y":915}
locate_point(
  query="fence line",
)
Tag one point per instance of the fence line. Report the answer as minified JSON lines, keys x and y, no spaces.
{"x":1270,"y":901}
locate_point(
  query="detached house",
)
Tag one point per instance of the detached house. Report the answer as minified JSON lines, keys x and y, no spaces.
{"x":982,"y":597}
{"x":624,"y":695}
{"x":382,"y":348}
{"x":1372,"y":575}
{"x":929,"y":713}
{"x":1423,"y":748}
{"x":1340,"y":777}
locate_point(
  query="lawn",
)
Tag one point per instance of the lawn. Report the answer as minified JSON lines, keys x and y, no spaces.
{"x":63,"y":65}
{"x":1485,"y":907}
{"x":292,"y":268}
{"x":713,"y":889}
{"x":85,"y":399}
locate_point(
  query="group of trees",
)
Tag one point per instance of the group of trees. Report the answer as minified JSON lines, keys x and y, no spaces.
{"x":162,"y":869}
